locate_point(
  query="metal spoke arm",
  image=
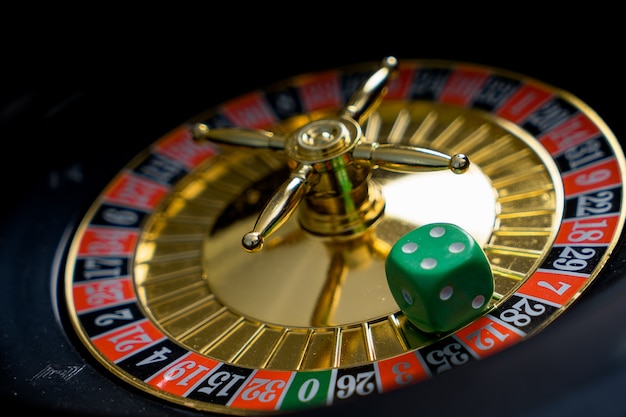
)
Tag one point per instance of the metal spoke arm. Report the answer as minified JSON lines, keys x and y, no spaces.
{"x":407,"y":159}
{"x":254,"y":138}
{"x":279,"y":208}
{"x":369,"y":95}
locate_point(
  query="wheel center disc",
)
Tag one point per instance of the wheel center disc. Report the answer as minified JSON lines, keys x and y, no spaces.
{"x":322,"y":134}
{"x":322,"y":140}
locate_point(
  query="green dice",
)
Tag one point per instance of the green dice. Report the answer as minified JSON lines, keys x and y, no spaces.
{"x":440,"y":277}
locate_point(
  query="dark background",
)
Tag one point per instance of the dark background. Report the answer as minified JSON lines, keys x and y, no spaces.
{"x":91,"y":87}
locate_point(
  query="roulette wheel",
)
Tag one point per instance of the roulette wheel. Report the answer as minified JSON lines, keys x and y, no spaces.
{"x":127,"y":290}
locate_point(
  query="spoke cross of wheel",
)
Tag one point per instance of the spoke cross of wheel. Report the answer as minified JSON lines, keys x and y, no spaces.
{"x":333,"y":163}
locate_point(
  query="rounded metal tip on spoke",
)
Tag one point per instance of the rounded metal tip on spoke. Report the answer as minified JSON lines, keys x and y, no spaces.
{"x":459,"y":163}
{"x":252,"y":242}
{"x":390,"y":62}
{"x":199,"y":131}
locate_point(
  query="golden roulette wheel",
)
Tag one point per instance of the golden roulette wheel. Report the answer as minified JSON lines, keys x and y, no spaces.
{"x":204,"y":249}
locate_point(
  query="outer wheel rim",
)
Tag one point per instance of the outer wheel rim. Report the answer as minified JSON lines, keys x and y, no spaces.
{"x":617,"y":230}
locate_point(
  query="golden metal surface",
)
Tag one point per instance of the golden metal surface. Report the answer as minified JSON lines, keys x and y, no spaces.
{"x":309,"y":303}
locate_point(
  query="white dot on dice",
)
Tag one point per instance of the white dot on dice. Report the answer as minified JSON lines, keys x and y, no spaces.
{"x":428,"y":263}
{"x":437,"y":231}
{"x":409,"y":247}
{"x":407,"y":296}
{"x":478,"y":301}
{"x":456,"y":247}
{"x":446,"y":292}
